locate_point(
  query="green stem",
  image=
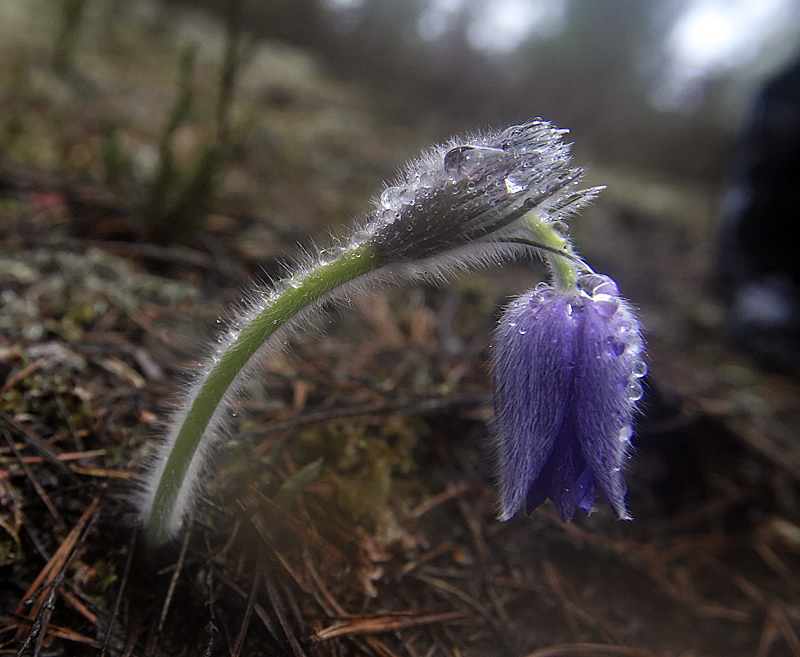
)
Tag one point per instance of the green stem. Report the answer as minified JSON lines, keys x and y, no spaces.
{"x":308,"y":289}
{"x":564,"y":271}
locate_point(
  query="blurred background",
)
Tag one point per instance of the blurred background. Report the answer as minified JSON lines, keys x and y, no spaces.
{"x":659,"y":85}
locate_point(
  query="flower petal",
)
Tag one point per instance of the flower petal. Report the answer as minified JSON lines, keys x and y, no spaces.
{"x":603,"y":396}
{"x":534,"y":346}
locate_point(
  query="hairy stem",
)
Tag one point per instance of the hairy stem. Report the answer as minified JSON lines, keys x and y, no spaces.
{"x":563,"y":270}
{"x":313,"y":286}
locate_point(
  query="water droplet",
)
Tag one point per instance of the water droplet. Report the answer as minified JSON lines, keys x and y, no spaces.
{"x":427,"y":180}
{"x":406,"y":195}
{"x":522,"y":330}
{"x":606,"y":306}
{"x":635,"y":391}
{"x":614,"y":346}
{"x":390,"y":197}
{"x":640,"y":369}
{"x":531,"y":161}
{"x":594,"y":284}
{"x":544,"y":295}
{"x":465,"y":160}
{"x":625,"y":434}
{"x":516,"y":182}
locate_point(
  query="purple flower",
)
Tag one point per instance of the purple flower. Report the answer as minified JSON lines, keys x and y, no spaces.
{"x":566,"y":367}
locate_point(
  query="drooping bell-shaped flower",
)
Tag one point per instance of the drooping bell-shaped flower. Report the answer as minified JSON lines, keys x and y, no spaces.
{"x":566,"y":369}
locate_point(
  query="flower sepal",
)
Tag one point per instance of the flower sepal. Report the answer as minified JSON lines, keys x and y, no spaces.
{"x":566,"y":366}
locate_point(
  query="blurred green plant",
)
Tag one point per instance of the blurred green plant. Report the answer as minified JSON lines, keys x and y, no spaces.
{"x":178,"y":198}
{"x":72,"y":12}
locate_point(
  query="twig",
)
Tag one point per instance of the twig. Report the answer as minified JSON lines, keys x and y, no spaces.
{"x":785,"y":627}
{"x":458,"y":593}
{"x":257,"y":608}
{"x":413,"y":406}
{"x":21,"y":375}
{"x":123,"y":583}
{"x":42,"y":446}
{"x":173,"y":582}
{"x":56,"y":564}
{"x":41,"y":492}
{"x":277,"y":607}
{"x":554,"y":580}
{"x":248,"y":612}
{"x":49,"y":581}
{"x":301,"y":530}
{"x":385,"y":623}
{"x":567,"y":649}
{"x":451,"y":492}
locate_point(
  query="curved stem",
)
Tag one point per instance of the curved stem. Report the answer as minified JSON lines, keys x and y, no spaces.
{"x":313,"y":286}
{"x":563,"y":269}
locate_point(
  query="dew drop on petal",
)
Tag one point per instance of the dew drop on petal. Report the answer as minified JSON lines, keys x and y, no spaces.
{"x":615,"y":346}
{"x":635,"y":391}
{"x":594,"y":284}
{"x":606,"y":306}
{"x":640,"y":369}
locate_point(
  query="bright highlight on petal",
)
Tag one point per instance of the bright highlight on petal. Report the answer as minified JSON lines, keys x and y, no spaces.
{"x":566,"y":368}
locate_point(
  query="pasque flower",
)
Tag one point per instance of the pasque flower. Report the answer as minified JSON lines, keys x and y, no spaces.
{"x":470,"y":202}
{"x":566,"y":367}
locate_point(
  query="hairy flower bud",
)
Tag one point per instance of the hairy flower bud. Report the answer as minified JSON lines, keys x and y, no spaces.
{"x":566,"y":368}
{"x":471,"y":192}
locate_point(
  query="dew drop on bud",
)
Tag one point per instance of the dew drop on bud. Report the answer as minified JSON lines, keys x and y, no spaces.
{"x":406,"y":195}
{"x":516,"y":182}
{"x":464,"y":161}
{"x":640,"y":369}
{"x":427,"y":180}
{"x":390,"y":198}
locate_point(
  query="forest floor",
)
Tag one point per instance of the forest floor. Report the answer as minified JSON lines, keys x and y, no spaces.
{"x":352,"y":511}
